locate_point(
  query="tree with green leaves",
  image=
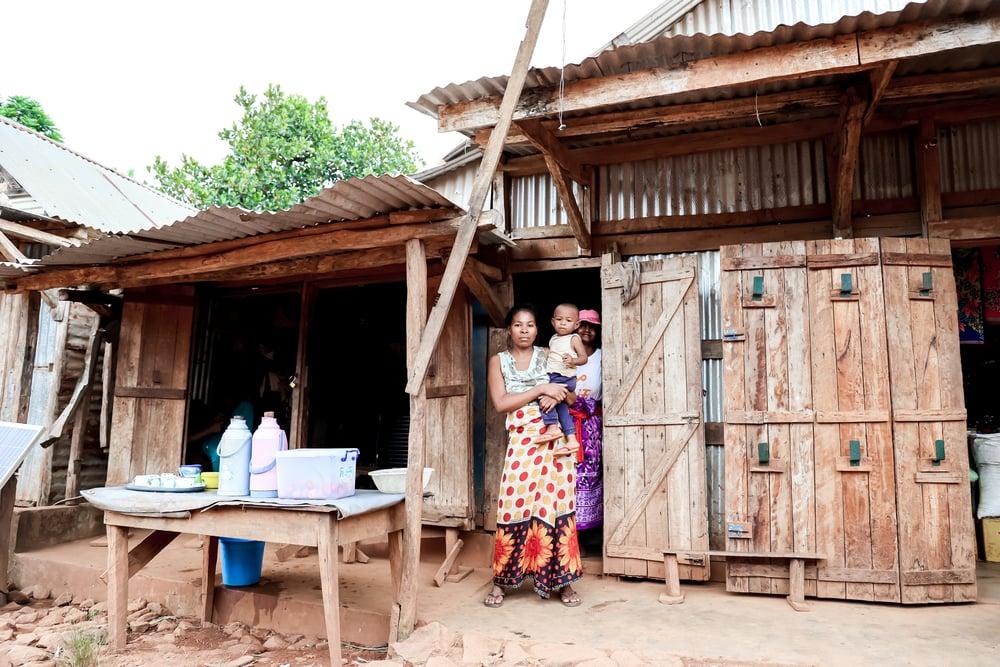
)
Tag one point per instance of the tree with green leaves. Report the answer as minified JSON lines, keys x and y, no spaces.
{"x":283,"y":150}
{"x":28,"y":112}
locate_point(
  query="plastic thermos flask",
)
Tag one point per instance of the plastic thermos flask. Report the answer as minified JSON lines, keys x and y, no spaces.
{"x":234,"y":459}
{"x":268,"y":440}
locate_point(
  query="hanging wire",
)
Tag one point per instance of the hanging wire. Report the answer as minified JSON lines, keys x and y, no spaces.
{"x":756,"y":108}
{"x":562,"y":70}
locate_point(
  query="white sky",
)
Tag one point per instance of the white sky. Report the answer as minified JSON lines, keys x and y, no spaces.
{"x":125,"y":81}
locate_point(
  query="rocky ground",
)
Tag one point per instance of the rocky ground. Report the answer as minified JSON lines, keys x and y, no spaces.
{"x":37,"y":630}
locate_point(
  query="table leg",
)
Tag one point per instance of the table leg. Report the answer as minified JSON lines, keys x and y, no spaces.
{"x":7,"y":497}
{"x":209,"y":560}
{"x":330,"y":581}
{"x":396,"y":561}
{"x":117,"y":586}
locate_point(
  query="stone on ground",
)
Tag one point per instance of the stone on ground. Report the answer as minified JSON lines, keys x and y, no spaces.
{"x":423,"y":642}
{"x":478,"y":649}
{"x":563,"y":655}
{"x":63,"y":600}
{"x":514,"y":654}
{"x":275,"y":643}
{"x":441,"y":661}
{"x":136,"y":604}
{"x":18,"y":597}
{"x":24,"y":655}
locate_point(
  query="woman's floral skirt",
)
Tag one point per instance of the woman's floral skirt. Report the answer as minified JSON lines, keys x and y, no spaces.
{"x":536,"y":521}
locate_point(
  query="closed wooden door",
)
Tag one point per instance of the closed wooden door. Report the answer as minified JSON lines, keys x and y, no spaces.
{"x":936,"y":538}
{"x":770,"y":493}
{"x":148,"y":419}
{"x":654,"y":448}
{"x":854,"y":468}
{"x":449,"y":420}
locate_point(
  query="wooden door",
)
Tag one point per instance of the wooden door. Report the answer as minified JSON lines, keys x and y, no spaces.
{"x":449,"y":420}
{"x":770,"y":494}
{"x":148,"y":422}
{"x":936,"y":538}
{"x":655,"y":486}
{"x":854,"y":469}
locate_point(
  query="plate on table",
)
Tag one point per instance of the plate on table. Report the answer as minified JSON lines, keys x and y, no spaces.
{"x":163,"y":489}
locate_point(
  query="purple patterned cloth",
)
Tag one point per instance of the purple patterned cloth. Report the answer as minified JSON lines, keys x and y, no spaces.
{"x":589,"y":483}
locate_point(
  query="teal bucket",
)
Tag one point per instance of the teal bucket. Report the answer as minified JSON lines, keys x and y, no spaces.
{"x":242,"y":561}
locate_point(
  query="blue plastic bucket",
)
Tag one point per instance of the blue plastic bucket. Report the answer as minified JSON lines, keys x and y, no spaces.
{"x":242,"y":561}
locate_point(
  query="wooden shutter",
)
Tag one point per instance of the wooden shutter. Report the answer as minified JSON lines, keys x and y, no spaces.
{"x":770,"y":507}
{"x":936,"y":538}
{"x":654,"y":444}
{"x":856,"y":502}
{"x":148,"y":421}
{"x":449,"y":420}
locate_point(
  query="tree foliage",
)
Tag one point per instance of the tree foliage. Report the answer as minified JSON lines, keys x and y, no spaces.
{"x":28,"y":112}
{"x":283,"y":150}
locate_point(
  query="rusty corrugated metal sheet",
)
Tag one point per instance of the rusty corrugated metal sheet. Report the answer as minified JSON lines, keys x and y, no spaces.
{"x":969,"y":155}
{"x":672,"y":50}
{"x":885,"y":168}
{"x":347,"y":200}
{"x":71,"y":187}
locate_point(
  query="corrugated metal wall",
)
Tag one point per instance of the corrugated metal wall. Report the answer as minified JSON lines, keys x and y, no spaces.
{"x":885,"y":167}
{"x":970,"y":155}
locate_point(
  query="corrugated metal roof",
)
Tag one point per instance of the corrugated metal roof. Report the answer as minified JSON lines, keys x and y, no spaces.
{"x":672,"y":50}
{"x":74,"y":188}
{"x":348,"y":200}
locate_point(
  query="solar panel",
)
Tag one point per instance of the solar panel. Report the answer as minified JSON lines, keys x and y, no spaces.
{"x":15,"y":441}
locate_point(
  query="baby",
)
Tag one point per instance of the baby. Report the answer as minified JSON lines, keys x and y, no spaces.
{"x":566,"y":352}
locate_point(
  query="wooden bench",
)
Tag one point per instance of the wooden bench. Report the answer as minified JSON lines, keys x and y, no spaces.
{"x":796,"y":571}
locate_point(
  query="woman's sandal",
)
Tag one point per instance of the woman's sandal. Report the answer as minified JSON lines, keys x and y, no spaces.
{"x":570,"y":599}
{"x":494,"y":600}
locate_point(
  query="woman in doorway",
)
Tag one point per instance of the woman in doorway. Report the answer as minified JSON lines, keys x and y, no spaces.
{"x":587,"y":412}
{"x":536,"y":521}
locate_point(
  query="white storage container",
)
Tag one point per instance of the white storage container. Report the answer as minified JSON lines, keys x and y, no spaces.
{"x":393,"y":480}
{"x":316,"y":474}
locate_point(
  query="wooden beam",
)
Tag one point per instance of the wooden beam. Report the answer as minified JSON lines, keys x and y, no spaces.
{"x":32,"y":234}
{"x":480,"y":188}
{"x":83,"y":385}
{"x":10,"y":250}
{"x":421,"y":215}
{"x":416,"y":315}
{"x":564,"y":188}
{"x":140,"y":555}
{"x":688,"y":144}
{"x":848,"y":148}
{"x":968,"y":229}
{"x":542,"y":138}
{"x":837,"y":55}
{"x":942,"y":83}
{"x":484,"y":293}
{"x":255,"y":257}
{"x":75,"y":461}
{"x":879,"y":79}
{"x":928,"y":174}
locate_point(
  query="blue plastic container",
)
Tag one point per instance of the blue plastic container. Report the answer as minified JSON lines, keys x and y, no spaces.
{"x":242,"y":561}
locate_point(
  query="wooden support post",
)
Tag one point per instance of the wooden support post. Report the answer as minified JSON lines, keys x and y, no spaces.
{"x":300,"y":396}
{"x":10,"y":250}
{"x":416,"y":315}
{"x":672,"y":580}
{"x":449,"y":570}
{"x":484,"y":293}
{"x":928,"y":175}
{"x":350,"y":553}
{"x":107,"y":392}
{"x":117,"y":586}
{"x":7,"y":497}
{"x":545,"y":141}
{"x":797,"y":584}
{"x":330,"y":582}
{"x":564,"y":188}
{"x":209,"y":559}
{"x":847,"y":150}
{"x":480,"y":188}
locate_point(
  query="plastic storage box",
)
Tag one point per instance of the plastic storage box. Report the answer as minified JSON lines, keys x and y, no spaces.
{"x":316,"y":474}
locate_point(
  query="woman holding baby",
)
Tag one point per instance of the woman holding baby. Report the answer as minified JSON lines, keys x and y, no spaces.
{"x":536,"y":522}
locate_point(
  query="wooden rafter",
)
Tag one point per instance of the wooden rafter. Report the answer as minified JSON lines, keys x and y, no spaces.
{"x":841,"y":54}
{"x":539,"y":136}
{"x":484,"y":293}
{"x":879,"y":79}
{"x":501,"y":120}
{"x":10,"y":250}
{"x":32,"y":234}
{"x":564,"y":187}
{"x":254,"y":255}
{"x":846,"y":152}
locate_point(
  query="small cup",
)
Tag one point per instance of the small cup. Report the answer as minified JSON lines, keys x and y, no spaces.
{"x":192,"y":470}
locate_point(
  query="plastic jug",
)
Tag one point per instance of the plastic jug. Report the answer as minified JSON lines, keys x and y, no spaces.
{"x":234,"y":459}
{"x":268,"y":440}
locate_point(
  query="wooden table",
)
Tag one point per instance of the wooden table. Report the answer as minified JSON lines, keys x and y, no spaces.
{"x":313,"y":526}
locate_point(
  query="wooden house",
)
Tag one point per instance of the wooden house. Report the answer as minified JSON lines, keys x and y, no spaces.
{"x":764,"y":217}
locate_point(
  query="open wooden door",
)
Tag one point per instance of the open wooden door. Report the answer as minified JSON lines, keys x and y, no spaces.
{"x":449,"y":420}
{"x":149,"y":418}
{"x":654,"y":443}
{"x":936,"y":535}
